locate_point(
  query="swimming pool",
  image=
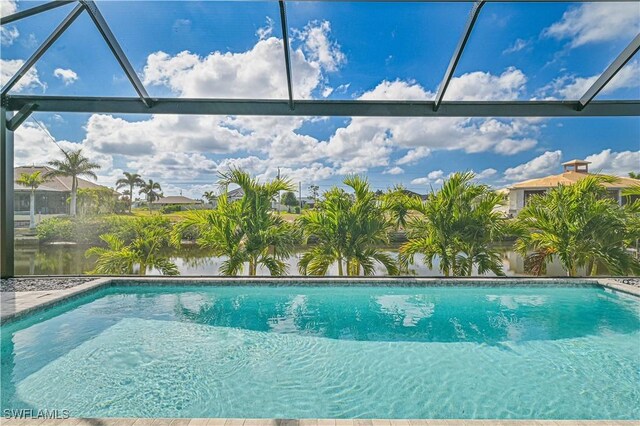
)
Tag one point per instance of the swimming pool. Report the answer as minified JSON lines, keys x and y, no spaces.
{"x":559,"y":352}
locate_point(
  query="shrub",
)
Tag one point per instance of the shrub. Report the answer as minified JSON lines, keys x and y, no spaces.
{"x":55,"y":229}
{"x":80,"y":230}
{"x":171,"y":208}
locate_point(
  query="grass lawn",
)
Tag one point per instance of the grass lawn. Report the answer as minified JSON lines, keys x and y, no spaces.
{"x":179,"y":216}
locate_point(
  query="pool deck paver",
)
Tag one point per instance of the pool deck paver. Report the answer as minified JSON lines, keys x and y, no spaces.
{"x":303,"y":422}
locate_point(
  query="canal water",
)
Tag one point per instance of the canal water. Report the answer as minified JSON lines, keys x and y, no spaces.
{"x":70,"y":260}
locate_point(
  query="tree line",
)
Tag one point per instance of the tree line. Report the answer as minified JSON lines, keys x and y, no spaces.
{"x":456,"y":226}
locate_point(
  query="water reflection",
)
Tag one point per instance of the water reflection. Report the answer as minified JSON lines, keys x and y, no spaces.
{"x":70,"y":260}
{"x":428,"y":315}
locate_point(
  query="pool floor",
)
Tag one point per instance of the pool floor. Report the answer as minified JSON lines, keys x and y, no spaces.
{"x":330,"y":352}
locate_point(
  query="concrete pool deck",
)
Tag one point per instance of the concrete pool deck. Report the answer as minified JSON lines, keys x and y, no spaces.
{"x":309,"y":422}
{"x":17,"y":304}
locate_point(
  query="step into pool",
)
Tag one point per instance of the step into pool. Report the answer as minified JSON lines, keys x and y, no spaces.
{"x":546,"y":352}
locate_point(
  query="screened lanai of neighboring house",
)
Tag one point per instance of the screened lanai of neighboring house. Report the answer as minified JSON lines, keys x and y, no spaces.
{"x":301,"y":85}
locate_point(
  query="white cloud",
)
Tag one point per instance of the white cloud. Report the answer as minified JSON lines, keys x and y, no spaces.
{"x":486,"y":173}
{"x":433,"y":177}
{"x":265,"y":32}
{"x":513,"y":146}
{"x":8,"y":35}
{"x":8,"y":67}
{"x":517,"y":46}
{"x":343,"y":88}
{"x":614,"y":163}
{"x":33,"y":145}
{"x":483,"y":86}
{"x":547,"y":163}
{"x":327,"y":91}
{"x":184,"y":151}
{"x":255,"y":73}
{"x":572,"y":87}
{"x":318,"y":46}
{"x":413,"y":155}
{"x":8,"y":7}
{"x":394,"y":171}
{"x":596,"y":22}
{"x":68,"y":76}
{"x":368,"y":142}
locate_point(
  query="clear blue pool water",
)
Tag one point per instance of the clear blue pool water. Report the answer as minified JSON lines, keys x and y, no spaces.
{"x":330,"y":352}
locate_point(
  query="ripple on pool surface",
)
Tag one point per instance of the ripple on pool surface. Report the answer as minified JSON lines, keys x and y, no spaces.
{"x":144,"y":367}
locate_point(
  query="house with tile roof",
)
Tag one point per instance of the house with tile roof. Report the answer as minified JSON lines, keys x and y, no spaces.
{"x":51,"y":196}
{"x":574,"y":171}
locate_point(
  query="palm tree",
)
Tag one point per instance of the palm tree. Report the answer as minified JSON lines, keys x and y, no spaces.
{"x":130,"y":180}
{"x":210,"y":196}
{"x":347,"y":230}
{"x":245,"y":231}
{"x":457,"y":224}
{"x":396,"y":203}
{"x":152,"y":191}
{"x":578,"y":224}
{"x":32,"y":181}
{"x":142,"y":244}
{"x":73,"y":165}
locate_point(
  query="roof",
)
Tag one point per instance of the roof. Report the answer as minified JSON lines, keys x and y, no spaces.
{"x":53,"y":184}
{"x":176,"y":199}
{"x":571,"y":177}
{"x":576,"y":161}
{"x":414,"y":194}
{"x":238,"y":192}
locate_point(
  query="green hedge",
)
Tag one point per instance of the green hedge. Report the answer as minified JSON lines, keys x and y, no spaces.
{"x":80,"y":230}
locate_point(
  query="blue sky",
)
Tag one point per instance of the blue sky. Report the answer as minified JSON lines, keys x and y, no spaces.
{"x":340,"y":51}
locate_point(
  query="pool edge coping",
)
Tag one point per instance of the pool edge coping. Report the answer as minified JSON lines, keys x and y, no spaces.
{"x":51,"y":298}
{"x":143,"y":421}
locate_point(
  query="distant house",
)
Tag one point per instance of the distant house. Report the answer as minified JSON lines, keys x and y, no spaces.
{"x":51,"y":196}
{"x":235,"y":194}
{"x":176,"y":200}
{"x":574,"y":171}
{"x":414,"y":194}
{"x":308,"y":202}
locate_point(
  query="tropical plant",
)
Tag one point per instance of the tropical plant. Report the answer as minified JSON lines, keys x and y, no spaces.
{"x":152,"y":191}
{"x":210,"y":196}
{"x":458,"y":224}
{"x":96,"y":201}
{"x":245,"y":231}
{"x":347,"y":230}
{"x":32,"y":181}
{"x":140,"y":244}
{"x":73,"y":165}
{"x":130,"y":180}
{"x":578,"y":224}
{"x":396,"y":202}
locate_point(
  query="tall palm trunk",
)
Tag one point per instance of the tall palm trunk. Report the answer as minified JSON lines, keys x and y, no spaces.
{"x":74,"y":196}
{"x":130,"y":197}
{"x":32,"y":209}
{"x":340,"y":270}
